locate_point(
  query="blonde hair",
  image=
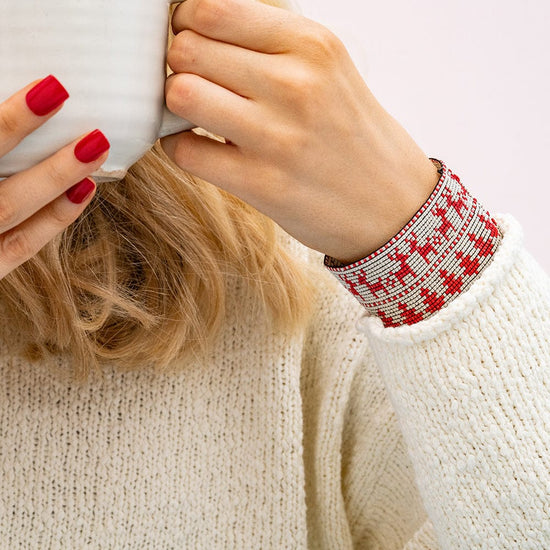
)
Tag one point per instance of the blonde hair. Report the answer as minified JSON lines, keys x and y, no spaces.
{"x":142,"y":277}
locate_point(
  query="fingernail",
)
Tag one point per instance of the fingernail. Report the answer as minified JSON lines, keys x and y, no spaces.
{"x":91,"y":147}
{"x":46,"y":96}
{"x":80,"y":191}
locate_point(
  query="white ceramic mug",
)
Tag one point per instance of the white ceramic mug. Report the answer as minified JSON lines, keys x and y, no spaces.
{"x":110,"y":55}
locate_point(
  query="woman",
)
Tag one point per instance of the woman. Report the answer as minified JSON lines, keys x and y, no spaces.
{"x":179,"y":373}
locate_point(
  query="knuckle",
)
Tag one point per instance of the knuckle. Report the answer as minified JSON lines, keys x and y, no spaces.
{"x":8,"y":213}
{"x":183,"y":51}
{"x":180,"y":93}
{"x":298,"y":140}
{"x":56,"y":172}
{"x":302,"y":89}
{"x":16,"y":246}
{"x":302,"y":83}
{"x":294,"y":81}
{"x":323,"y":44}
{"x":61,"y":217}
{"x":208,"y":14}
{"x":9,"y":121}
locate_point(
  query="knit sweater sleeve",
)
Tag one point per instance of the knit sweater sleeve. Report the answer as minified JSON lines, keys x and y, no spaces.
{"x":471,"y":389}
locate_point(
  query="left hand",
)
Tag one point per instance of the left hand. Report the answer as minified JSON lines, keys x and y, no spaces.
{"x":308,"y":143}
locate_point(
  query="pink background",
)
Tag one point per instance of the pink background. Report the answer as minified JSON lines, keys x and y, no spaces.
{"x":470,"y":81}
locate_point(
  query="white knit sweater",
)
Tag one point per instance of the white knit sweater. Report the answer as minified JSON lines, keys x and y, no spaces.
{"x":294,"y":443}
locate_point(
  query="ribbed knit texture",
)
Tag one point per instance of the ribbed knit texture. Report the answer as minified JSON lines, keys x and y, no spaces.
{"x":434,"y":258}
{"x":294,"y":442}
{"x":471,"y":388}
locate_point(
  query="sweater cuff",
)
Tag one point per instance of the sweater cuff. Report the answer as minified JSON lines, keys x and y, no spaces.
{"x":437,"y":256}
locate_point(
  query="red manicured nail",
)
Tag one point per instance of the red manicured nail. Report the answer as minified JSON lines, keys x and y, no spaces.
{"x":91,"y":147}
{"x":80,"y":191}
{"x":46,"y":96}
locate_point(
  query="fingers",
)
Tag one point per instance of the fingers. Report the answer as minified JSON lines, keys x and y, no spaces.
{"x":244,"y":23}
{"x":38,"y":203}
{"x":27,"y":109}
{"x":213,"y":161}
{"x":232,"y":67}
{"x":24,"y":241}
{"x":210,"y":106}
{"x":24,"y":193}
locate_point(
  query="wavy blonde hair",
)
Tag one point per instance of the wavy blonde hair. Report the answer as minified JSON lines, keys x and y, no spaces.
{"x":142,"y":277}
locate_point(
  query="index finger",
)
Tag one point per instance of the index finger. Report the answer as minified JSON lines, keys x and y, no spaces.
{"x":246,"y":23}
{"x":27,"y":109}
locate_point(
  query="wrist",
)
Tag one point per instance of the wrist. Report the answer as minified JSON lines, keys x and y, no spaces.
{"x":399,"y":208}
{"x":436,"y":257}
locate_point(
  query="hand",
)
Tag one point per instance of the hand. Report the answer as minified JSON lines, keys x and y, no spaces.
{"x":38,"y":203}
{"x":308,"y":144}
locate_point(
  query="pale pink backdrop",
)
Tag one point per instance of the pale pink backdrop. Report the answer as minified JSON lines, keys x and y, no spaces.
{"x":470,"y":81}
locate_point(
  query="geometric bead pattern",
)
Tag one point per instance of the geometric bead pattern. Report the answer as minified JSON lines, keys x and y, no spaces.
{"x":432,"y":260}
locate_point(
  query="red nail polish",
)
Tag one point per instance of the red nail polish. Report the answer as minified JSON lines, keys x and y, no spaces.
{"x":80,"y":191}
{"x":91,"y":147}
{"x":46,"y":96}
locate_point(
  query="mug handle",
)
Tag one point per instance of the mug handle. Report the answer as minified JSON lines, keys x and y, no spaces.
{"x":171,"y":123}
